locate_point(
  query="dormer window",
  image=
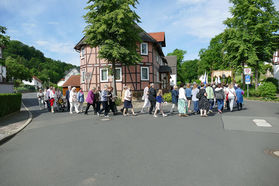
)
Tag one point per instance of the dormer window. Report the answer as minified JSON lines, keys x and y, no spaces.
{"x":144,"y":49}
{"x":82,"y":52}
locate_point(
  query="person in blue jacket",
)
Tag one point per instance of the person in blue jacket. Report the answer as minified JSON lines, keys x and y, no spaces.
{"x":174,"y":98}
{"x":239,"y":95}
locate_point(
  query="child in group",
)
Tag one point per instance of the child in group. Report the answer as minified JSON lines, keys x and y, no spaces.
{"x":159,"y":104}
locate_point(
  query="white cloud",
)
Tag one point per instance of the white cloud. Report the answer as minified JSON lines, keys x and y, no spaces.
{"x":190,"y":1}
{"x":56,"y":46}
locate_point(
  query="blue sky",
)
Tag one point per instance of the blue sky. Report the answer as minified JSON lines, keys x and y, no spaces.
{"x":55,"y":26}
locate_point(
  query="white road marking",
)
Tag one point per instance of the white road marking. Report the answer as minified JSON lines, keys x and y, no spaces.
{"x":262,"y":123}
{"x":276,"y":153}
{"x":105,"y":119}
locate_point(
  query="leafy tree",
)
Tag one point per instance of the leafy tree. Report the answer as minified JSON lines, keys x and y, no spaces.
{"x":16,"y":69}
{"x":249,"y":37}
{"x":190,"y":70}
{"x":111,"y":26}
{"x":180,"y":57}
{"x":212,"y":57}
{"x":35,"y":62}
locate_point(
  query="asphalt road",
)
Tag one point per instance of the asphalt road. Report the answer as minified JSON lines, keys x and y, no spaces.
{"x":76,"y":150}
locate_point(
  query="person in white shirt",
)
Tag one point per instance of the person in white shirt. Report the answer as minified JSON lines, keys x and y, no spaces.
{"x":128,"y":101}
{"x":145,"y":99}
{"x":73,"y":100}
{"x":40,"y":96}
{"x":195,"y":100}
{"x":52,"y":99}
{"x":182,"y":101}
{"x":231,"y":96}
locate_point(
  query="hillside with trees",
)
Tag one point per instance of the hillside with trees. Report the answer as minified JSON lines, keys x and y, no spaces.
{"x":23,"y":62}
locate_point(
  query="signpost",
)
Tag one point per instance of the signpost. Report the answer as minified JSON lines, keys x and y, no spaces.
{"x":247,"y":71}
{"x":247,"y":82}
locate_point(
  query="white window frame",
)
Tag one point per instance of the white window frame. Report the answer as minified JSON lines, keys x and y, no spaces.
{"x":147,"y":73}
{"x":101,"y":69}
{"x":83,"y":76}
{"x":145,"y":54}
{"x":120,"y":74}
{"x":82,"y":52}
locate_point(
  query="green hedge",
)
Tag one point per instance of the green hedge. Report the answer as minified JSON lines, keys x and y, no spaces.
{"x":9,"y":103}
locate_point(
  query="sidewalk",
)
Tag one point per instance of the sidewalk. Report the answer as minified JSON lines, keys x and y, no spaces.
{"x":14,"y":123}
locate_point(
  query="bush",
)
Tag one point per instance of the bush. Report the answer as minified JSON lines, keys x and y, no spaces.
{"x":254,"y":92}
{"x":272,"y":80}
{"x":167,"y":97}
{"x":268,"y":90}
{"x":9,"y":103}
{"x":25,"y":88}
{"x":118,"y":101}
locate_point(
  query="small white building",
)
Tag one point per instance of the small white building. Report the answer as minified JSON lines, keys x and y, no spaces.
{"x":276,"y":64}
{"x":36,"y":82}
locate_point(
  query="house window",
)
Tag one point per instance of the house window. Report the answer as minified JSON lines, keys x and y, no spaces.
{"x":144,"y":49}
{"x":103,"y":74}
{"x":118,"y":74}
{"x":145,"y":73}
{"x":158,"y":77}
{"x":82,"y":52}
{"x":83,"y":76}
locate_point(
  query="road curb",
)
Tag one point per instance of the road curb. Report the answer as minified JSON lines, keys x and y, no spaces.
{"x":30,"y":117}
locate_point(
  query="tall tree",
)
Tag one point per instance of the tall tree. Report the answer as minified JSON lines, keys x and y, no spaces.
{"x":112,"y":26}
{"x":180,"y":57}
{"x":212,"y":58}
{"x":4,"y":39}
{"x":250,"y":33}
{"x":190,"y":70}
{"x":16,"y":69}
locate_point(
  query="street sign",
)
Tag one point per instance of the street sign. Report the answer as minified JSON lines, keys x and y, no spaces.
{"x":247,"y":80}
{"x":247,"y":71}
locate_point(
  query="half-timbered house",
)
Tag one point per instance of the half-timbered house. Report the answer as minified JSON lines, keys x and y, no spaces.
{"x":153,"y":67}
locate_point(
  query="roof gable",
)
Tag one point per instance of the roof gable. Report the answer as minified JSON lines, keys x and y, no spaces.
{"x":73,"y":81}
{"x":159,"y":37}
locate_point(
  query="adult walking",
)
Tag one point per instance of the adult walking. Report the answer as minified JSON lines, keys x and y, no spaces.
{"x":195,"y":100}
{"x":128,"y":102}
{"x":80,"y":97}
{"x":40,"y":96}
{"x":239,"y":95}
{"x":188,"y":92}
{"x":68,"y":98}
{"x":210,"y":96}
{"x":174,"y":98}
{"x":111,"y":101}
{"x":231,"y":96}
{"x":146,"y":103}
{"x":220,"y":96}
{"x":90,"y":100}
{"x":152,"y":97}
{"x":123,"y":96}
{"x":73,"y":100}
{"x":182,"y":101}
{"x":48,"y":98}
{"x":203,"y":102}
{"x":97,"y":100}
{"x":104,"y":101}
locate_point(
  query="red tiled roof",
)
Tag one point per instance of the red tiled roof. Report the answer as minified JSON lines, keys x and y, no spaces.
{"x":73,"y":81}
{"x":37,"y":79}
{"x":159,"y":36}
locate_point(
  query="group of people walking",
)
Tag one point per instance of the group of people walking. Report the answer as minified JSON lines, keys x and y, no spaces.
{"x":202,"y":98}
